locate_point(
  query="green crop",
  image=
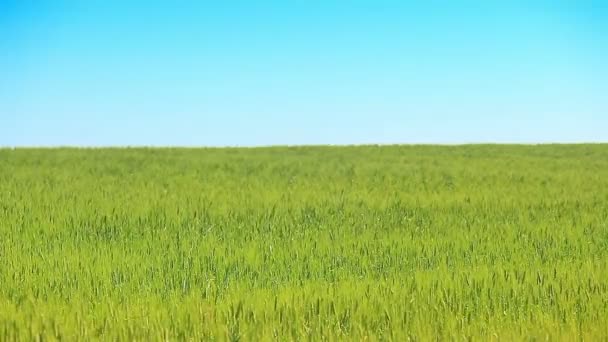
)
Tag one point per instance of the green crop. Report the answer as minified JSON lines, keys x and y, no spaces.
{"x":483,"y":242}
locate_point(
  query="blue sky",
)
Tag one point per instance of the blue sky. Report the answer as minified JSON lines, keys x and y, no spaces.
{"x":248,"y":73}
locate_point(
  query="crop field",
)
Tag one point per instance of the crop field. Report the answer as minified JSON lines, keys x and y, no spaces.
{"x":481,"y":242}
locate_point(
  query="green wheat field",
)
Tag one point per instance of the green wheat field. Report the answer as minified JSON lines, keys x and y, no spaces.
{"x":472,"y":242}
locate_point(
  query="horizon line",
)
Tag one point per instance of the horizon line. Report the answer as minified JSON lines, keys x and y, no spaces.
{"x":253,"y":146}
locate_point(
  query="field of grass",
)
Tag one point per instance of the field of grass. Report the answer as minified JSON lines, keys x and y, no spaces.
{"x":483,"y":242}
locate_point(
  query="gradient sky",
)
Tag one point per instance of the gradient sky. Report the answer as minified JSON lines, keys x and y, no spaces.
{"x":245,"y":73}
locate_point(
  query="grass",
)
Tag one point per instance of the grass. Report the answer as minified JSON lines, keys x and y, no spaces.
{"x":482,"y":242}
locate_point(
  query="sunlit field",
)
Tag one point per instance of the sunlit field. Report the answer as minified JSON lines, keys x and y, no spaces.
{"x":483,"y":242}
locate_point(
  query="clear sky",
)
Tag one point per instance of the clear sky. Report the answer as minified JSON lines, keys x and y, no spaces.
{"x":245,"y":73}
